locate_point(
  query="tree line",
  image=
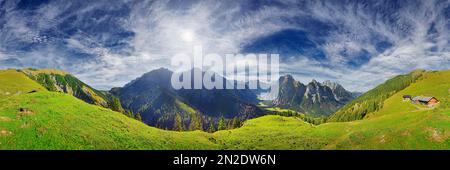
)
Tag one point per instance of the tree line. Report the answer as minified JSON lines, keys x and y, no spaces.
{"x":209,"y":125}
{"x":304,"y":117}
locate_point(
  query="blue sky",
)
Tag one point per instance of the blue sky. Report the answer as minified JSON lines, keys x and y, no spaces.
{"x":358,"y":44}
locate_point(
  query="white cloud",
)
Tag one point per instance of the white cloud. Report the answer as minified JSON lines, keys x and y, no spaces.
{"x":358,"y":27}
{"x":224,"y":27}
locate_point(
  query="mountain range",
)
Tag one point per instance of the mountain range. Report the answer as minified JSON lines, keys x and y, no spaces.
{"x":152,"y":99}
{"x":314,"y":98}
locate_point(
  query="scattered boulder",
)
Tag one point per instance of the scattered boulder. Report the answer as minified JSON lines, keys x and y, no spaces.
{"x":5,"y":132}
{"x":33,"y":91}
{"x":25,"y":112}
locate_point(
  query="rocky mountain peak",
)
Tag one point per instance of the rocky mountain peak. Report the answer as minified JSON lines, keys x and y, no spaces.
{"x":340,"y":93}
{"x":330,"y":84}
{"x":315,"y":98}
{"x":286,"y":78}
{"x":159,"y":77}
{"x":333,"y":85}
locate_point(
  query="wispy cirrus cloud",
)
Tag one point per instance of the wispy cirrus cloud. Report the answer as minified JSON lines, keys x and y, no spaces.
{"x":356,"y":43}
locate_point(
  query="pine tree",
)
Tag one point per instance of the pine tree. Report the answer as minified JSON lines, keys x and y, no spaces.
{"x":234,"y":123}
{"x":178,"y":123}
{"x":116,"y":105}
{"x":196,"y":122}
{"x":129,"y":113}
{"x":138,"y":116}
{"x":221,"y":124}
{"x":211,"y":127}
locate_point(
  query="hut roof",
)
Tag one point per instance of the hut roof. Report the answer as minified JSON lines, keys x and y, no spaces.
{"x":423,"y":98}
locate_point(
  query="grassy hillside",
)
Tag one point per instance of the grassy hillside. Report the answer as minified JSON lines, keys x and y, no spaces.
{"x":415,"y":130}
{"x":13,"y":82}
{"x":436,"y":84}
{"x":60,"y":121}
{"x":61,"y":81}
{"x":44,"y":71}
{"x":50,"y":120}
{"x":372,"y":100}
{"x":397,"y":125}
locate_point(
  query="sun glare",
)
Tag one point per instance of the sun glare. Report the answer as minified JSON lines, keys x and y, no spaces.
{"x":187,"y":35}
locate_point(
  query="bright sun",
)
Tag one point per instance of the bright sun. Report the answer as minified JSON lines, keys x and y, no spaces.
{"x":187,"y":35}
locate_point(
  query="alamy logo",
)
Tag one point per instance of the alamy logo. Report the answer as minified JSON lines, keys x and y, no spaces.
{"x":209,"y":71}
